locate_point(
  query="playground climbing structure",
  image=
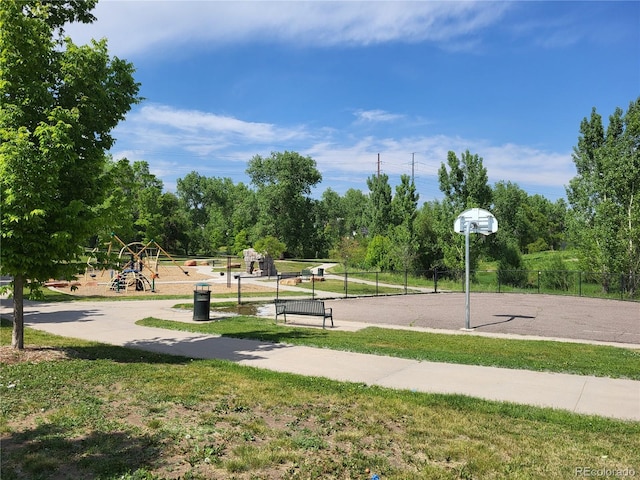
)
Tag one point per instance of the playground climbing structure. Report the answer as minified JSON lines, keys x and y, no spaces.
{"x":138,"y":265}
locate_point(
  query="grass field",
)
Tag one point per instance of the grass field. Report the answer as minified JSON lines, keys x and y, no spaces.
{"x":104,"y":412}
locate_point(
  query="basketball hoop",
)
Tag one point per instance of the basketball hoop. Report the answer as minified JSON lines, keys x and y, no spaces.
{"x":474,"y":220}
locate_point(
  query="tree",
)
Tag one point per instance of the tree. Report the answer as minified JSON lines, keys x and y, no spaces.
{"x":510,"y":266}
{"x":531,"y":223}
{"x":351,"y":252}
{"x":429,"y":250}
{"x":332,"y":212}
{"x":270,"y":246}
{"x":135,"y":207}
{"x":284,"y":182}
{"x":119,"y":205}
{"x":355,"y":205}
{"x":59,"y":102}
{"x":450,"y":245}
{"x":378,"y":211}
{"x":404,"y":212}
{"x":240,"y":242}
{"x":192,"y":190}
{"x":173,"y":236}
{"x":465,"y":184}
{"x":404,"y":205}
{"x":378,"y":252}
{"x":547,"y":221}
{"x":508,"y":202}
{"x":150,"y":221}
{"x":245,"y":210}
{"x":220,"y":204}
{"x":605,"y":194}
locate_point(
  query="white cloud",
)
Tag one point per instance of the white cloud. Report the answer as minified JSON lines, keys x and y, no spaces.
{"x":524,"y":164}
{"x":144,"y":26}
{"x":374,"y":116}
{"x":177,"y":141}
{"x":509,"y":162}
{"x":201,"y":132}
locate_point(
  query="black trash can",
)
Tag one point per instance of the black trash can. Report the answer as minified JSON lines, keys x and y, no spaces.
{"x":320,"y":272}
{"x":201,"y":302}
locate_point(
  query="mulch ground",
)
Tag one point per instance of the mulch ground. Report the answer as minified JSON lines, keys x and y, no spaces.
{"x":171,"y":280}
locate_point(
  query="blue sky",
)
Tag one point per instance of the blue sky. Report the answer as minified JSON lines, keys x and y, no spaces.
{"x":344,"y":81}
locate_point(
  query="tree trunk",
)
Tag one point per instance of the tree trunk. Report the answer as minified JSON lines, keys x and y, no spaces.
{"x":17,"y":339}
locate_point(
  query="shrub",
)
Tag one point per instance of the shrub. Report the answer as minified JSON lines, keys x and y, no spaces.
{"x":555,"y":275}
{"x":510,"y":267}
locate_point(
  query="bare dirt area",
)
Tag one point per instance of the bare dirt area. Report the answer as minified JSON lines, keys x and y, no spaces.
{"x":171,"y":280}
{"x":32,"y":354}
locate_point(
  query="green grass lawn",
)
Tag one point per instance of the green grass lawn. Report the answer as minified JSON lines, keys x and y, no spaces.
{"x":353,"y":288}
{"x":109,"y":413}
{"x":582,"y":359}
{"x":294,"y":266}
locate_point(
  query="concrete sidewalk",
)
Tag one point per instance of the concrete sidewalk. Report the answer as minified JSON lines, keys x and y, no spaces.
{"x":114,"y":323}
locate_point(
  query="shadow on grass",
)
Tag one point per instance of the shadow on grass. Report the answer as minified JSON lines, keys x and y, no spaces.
{"x":275,"y":337}
{"x":126,"y":354}
{"x":242,"y":327}
{"x":51,"y":451}
{"x":84,"y":350}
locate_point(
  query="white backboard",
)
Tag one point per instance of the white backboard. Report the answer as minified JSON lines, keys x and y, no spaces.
{"x":482,"y":221}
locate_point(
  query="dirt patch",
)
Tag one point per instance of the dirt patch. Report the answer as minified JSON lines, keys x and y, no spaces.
{"x":32,"y":354}
{"x":171,"y":280}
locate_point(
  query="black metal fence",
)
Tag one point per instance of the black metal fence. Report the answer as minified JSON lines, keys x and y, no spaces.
{"x":556,"y":282}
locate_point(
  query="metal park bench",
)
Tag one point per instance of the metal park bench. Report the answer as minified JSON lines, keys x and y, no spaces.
{"x":304,"y":307}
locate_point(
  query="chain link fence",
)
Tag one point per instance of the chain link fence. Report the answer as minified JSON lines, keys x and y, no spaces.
{"x":555,"y":282}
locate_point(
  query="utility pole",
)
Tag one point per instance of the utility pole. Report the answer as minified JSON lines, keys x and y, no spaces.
{"x":413,"y":158}
{"x":378,"y":165}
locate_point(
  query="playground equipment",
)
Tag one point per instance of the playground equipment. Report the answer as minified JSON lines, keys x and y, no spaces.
{"x":266,"y":266}
{"x":92,"y":259}
{"x":140,"y":256}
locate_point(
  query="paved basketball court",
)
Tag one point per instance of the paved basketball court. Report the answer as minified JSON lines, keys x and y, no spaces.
{"x":551,"y":316}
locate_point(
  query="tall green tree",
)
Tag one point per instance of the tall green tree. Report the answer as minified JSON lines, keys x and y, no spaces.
{"x":355,"y":205}
{"x":119,"y":205}
{"x":147,"y":202}
{"x":378,"y":211}
{"x":134,"y":203}
{"x":284,"y":181}
{"x":464,"y":181}
{"x":508,"y":202}
{"x":58,"y":104}
{"x":193,"y":192}
{"x":220,"y":228}
{"x":404,"y":210}
{"x":173,"y":234}
{"x":332,"y":213}
{"x":245,"y":211}
{"x":530,"y":223}
{"x":605,"y":194}
{"x":426,"y":226}
{"x":547,"y":222}
{"x":404,"y":204}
